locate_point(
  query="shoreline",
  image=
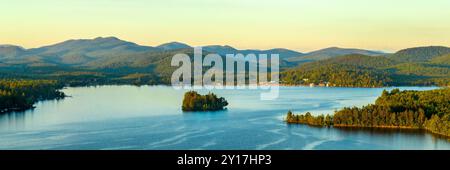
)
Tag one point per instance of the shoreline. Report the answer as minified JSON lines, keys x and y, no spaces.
{"x":31,"y":107}
{"x":280,"y":85}
{"x":375,"y":127}
{"x":393,"y":127}
{"x":16,"y":109}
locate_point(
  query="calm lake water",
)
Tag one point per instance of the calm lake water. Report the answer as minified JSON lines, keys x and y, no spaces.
{"x":149,"y":117}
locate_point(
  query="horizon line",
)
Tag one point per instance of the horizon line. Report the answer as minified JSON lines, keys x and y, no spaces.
{"x":223,"y":45}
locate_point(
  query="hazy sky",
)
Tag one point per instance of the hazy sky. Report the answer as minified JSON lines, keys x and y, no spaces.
{"x":296,"y":24}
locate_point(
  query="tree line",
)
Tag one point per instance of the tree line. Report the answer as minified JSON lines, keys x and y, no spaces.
{"x":428,"y":110}
{"x":17,"y":95}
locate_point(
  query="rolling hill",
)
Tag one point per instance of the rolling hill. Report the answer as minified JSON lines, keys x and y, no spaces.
{"x":284,"y":54}
{"x":78,"y":52}
{"x":9,"y":51}
{"x":106,"y":60}
{"x":173,"y":46}
{"x":420,"y":54}
{"x":413,"y":66}
{"x":331,"y":52}
{"x":354,"y":70}
{"x":111,"y":52}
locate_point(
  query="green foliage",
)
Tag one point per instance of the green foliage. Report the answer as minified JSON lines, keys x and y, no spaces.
{"x":428,"y":110}
{"x":379,"y":116}
{"x":439,"y":124}
{"x":22,"y":94}
{"x":195,"y":102}
{"x":346,"y":71}
{"x":309,"y":119}
{"x":433,"y":102}
{"x":375,"y":71}
{"x":408,"y":109}
{"x":424,"y":70}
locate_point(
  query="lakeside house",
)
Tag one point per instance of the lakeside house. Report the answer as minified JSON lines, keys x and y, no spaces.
{"x":322,"y":84}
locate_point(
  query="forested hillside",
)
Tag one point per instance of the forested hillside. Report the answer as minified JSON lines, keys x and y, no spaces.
{"x":430,"y":67}
{"x":420,"y":54}
{"x":348,"y":71}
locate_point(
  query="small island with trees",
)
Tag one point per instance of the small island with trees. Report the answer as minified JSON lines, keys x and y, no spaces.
{"x":428,"y":110}
{"x":20,"y":95}
{"x":196,"y":102}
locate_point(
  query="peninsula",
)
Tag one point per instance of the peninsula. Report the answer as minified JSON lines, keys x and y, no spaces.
{"x":429,"y":110}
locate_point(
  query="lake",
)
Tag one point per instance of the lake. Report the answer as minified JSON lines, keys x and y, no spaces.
{"x":150,"y":117}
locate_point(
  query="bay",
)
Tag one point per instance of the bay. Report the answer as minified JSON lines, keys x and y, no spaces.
{"x":150,"y":117}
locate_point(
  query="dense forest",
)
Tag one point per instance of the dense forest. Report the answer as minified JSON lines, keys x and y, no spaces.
{"x":17,"y":95}
{"x":210,"y":102}
{"x":346,"y":71}
{"x":428,"y":110}
{"x":309,"y":119}
{"x":416,"y":66}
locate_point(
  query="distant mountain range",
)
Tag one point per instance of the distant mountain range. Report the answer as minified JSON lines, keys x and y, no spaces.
{"x":112,"y":59}
{"x":85,"y":52}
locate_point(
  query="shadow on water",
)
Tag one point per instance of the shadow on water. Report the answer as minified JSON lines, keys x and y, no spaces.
{"x":18,"y":120}
{"x":204,"y":114}
{"x":293,"y":125}
{"x":15,"y":120}
{"x":380,"y":131}
{"x":418,"y":136}
{"x":374,"y":132}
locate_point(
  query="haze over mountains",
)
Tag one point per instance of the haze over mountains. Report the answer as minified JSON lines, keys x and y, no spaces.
{"x":84,"y":52}
{"x":110,"y":59}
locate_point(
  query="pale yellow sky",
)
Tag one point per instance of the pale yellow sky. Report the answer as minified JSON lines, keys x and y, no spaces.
{"x":302,"y":25}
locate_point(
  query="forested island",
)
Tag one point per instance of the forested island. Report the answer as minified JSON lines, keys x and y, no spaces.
{"x":429,"y":110}
{"x":19,"y":95}
{"x":196,"y":102}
